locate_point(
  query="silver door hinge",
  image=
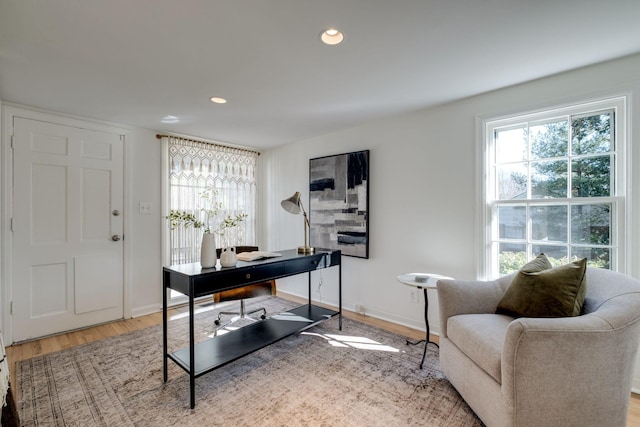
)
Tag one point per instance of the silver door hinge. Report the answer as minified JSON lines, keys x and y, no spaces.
{"x":11,"y":307}
{"x":11,"y":225}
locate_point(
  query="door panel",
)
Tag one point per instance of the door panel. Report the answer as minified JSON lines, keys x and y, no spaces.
{"x":93,"y":291}
{"x":96,"y":204}
{"x":48,"y":290}
{"x":67,"y":271}
{"x":48,"y":201}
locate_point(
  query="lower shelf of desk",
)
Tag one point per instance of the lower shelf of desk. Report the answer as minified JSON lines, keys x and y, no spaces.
{"x":216,"y":352}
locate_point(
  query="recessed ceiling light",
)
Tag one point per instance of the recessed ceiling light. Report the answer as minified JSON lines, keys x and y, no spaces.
{"x":218,"y":100}
{"x":331,"y":36}
{"x":170,"y":119}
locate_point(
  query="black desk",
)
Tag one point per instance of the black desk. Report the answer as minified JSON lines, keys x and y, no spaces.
{"x":195,"y":281}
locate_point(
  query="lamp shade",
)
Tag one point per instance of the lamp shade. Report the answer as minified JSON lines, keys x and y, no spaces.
{"x":292,"y":204}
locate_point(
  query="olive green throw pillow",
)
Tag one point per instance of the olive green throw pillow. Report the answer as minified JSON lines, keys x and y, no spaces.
{"x":554,"y":292}
{"x":539,"y":263}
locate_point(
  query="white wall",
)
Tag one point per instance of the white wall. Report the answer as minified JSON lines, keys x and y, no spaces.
{"x":144,"y":260}
{"x":424,"y":185}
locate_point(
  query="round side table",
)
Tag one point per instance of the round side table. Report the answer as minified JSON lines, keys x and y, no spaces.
{"x":422,"y":281}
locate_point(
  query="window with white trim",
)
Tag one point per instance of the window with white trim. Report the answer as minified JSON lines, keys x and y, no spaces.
{"x":556,"y":185}
{"x":205,"y":177}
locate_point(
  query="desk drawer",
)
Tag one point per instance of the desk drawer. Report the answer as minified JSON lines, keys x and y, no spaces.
{"x":258,"y":274}
{"x":236,"y":277}
{"x":296,"y":266}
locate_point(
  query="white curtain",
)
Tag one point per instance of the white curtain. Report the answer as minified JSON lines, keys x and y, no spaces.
{"x":195,"y":167}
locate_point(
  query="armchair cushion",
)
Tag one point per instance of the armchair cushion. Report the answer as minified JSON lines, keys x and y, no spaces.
{"x":481,"y":338}
{"x":555,"y":292}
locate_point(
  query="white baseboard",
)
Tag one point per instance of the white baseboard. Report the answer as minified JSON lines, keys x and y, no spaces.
{"x":144,"y":310}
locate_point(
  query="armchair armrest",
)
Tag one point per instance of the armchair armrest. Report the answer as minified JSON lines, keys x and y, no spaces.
{"x":589,"y":347}
{"x":468,"y":297}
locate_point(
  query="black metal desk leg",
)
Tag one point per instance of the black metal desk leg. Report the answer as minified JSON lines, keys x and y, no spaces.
{"x":192,"y":356}
{"x":340,"y":295}
{"x":164,"y":327}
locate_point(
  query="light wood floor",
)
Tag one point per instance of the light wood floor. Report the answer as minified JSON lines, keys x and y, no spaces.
{"x":27,"y":350}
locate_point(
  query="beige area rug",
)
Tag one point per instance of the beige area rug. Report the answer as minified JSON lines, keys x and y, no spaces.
{"x":360,"y":376}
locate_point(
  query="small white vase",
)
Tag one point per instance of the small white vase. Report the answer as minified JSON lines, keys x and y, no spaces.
{"x":228,"y":257}
{"x":208,"y":251}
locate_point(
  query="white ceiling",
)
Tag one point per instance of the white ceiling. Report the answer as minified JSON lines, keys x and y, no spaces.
{"x":135,"y":61}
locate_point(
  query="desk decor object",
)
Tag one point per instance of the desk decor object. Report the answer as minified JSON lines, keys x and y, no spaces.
{"x":228,"y":257}
{"x":423,"y":281}
{"x":194,"y":282}
{"x":339,"y":203}
{"x":208,"y":255}
{"x":257,"y":255}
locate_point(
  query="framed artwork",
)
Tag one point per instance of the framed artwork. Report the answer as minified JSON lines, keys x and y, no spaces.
{"x":339,"y":203}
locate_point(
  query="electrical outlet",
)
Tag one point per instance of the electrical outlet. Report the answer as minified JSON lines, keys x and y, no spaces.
{"x":413,"y":296}
{"x":359,"y":308}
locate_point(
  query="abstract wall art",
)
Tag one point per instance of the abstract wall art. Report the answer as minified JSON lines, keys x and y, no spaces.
{"x":339,"y":203}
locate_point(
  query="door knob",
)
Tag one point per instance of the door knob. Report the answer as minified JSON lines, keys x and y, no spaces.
{"x":115,"y":237}
{"x":115,"y":212}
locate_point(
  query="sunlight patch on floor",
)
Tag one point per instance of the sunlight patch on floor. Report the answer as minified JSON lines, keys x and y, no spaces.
{"x":361,"y":343}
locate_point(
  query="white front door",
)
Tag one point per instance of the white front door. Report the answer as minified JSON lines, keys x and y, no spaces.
{"x":67,"y":265}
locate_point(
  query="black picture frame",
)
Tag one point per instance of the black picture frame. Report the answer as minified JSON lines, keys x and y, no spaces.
{"x":339,"y":203}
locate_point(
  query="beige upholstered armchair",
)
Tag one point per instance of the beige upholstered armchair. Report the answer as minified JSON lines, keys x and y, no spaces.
{"x":570,"y":371}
